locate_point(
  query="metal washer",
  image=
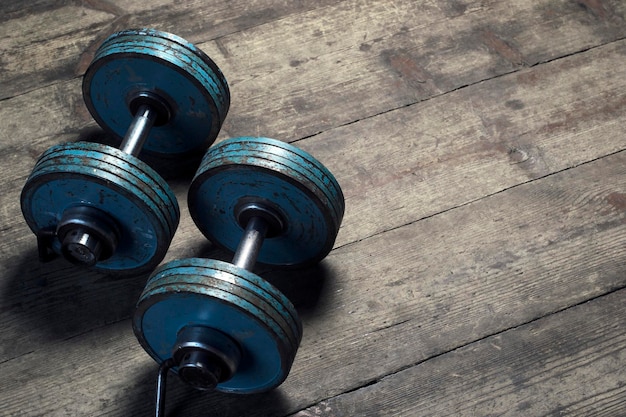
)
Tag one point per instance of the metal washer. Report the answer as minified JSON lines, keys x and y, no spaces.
{"x":236,"y":302}
{"x":99,"y":176}
{"x":162,"y":64}
{"x":289,"y":180}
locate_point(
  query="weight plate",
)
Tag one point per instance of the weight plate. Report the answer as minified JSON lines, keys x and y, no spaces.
{"x":271,"y":172}
{"x":99,"y":176}
{"x":158,"y":63}
{"x":221,"y":296}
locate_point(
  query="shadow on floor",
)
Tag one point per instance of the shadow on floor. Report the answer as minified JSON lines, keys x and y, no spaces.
{"x":53,"y":301}
{"x":182,"y":400}
{"x":180,"y":168}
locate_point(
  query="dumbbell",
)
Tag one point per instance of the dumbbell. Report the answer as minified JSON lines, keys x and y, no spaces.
{"x":216,"y":324}
{"x":100,"y":206}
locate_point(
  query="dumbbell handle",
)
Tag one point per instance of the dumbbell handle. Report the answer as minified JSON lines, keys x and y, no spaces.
{"x":79,"y":244}
{"x":161,"y":385}
{"x":250,"y":244}
{"x":138,"y":130}
{"x":245,"y":257}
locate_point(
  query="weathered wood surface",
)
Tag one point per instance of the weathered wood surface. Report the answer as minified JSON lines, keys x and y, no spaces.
{"x":428,"y":297}
{"x":441,"y":154}
{"x":71,"y":31}
{"x":480,"y":148}
{"x":569,"y":363}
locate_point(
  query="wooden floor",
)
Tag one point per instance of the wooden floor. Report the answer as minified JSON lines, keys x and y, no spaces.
{"x":481,"y":145}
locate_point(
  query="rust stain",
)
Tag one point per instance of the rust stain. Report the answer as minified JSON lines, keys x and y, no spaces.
{"x":617,"y":201}
{"x":597,"y":7}
{"x":502,"y":48}
{"x":405,"y":66}
{"x":607,"y":106}
{"x":529,"y":77}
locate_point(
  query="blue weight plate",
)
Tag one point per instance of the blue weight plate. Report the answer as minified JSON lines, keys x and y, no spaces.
{"x":150,"y":61}
{"x":294,"y":183}
{"x":112,"y":160}
{"x":221,"y":296}
{"x":251,"y":286}
{"x":99,"y":176}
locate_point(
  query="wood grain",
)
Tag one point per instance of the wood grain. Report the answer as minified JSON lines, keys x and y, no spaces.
{"x":68,"y":33}
{"x":437,"y":155}
{"x":516,"y":128}
{"x":392,"y":54}
{"x":399,"y":167}
{"x":564,"y":364}
{"x":481,"y":148}
{"x":388,"y":302}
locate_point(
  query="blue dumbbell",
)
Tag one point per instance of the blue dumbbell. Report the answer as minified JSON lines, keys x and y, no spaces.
{"x":217,"y":324}
{"x":101,"y":206}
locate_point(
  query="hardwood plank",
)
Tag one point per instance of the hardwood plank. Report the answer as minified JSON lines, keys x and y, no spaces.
{"x":569,"y":363}
{"x":310,"y":72}
{"x":484,"y":138}
{"x":387,"y":302}
{"x":436,"y":155}
{"x":417,"y":161}
{"x":68,"y":33}
{"x":32,"y":59}
{"x":407,"y":51}
{"x":59,"y":108}
{"x":441,"y":245}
